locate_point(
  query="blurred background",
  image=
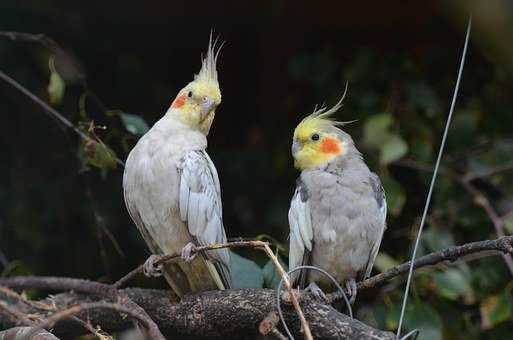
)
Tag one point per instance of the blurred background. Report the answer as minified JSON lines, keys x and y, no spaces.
{"x":120,"y":64}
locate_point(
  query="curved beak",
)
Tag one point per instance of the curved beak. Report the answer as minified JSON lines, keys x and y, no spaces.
{"x":207,"y":105}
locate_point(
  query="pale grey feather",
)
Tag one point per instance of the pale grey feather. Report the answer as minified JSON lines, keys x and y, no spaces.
{"x":347,"y":218}
{"x":200,"y":203}
{"x":301,"y":233}
{"x":379,"y":195}
{"x":160,"y":201}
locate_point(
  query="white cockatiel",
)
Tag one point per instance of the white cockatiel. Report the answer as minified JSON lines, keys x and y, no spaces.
{"x":172,"y":191}
{"x":338,"y":211}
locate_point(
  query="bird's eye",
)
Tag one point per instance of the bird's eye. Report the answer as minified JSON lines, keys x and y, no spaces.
{"x":189,"y":94}
{"x":315,"y":137}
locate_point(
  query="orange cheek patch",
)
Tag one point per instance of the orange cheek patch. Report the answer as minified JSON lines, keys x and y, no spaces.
{"x":179,"y":102}
{"x":330,"y":145}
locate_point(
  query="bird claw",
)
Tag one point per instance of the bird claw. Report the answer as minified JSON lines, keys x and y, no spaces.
{"x":189,"y":252}
{"x":351,"y":290}
{"x":317,"y":292}
{"x":150,"y":269}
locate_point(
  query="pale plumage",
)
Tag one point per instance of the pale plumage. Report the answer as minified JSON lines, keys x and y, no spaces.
{"x":172,"y":190}
{"x":338,"y":211}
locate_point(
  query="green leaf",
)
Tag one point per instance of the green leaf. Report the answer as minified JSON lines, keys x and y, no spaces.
{"x":426,"y":320}
{"x":385,"y":262}
{"x":395,"y":195}
{"x":134,"y":123}
{"x":271,"y":276}
{"x":393,"y":149}
{"x":56,"y":88}
{"x":376,"y":130}
{"x":496,"y":309}
{"x":452,"y":284}
{"x":435,"y":239}
{"x":99,"y":155}
{"x":508,"y":225}
{"x":245,"y":273}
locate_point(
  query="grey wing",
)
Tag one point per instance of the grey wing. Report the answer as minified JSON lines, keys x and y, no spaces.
{"x":301,"y":232}
{"x":379,"y":196}
{"x":201,"y":208}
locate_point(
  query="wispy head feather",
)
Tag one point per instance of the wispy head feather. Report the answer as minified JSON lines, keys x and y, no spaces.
{"x":208,"y":72}
{"x":322,"y":117}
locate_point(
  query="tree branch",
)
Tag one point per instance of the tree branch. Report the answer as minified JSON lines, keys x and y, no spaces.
{"x":238,"y":244}
{"x":498,"y":223}
{"x":225,"y":314}
{"x":84,"y":286}
{"x":502,"y":244}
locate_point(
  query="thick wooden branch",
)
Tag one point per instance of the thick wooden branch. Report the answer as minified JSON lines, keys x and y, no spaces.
{"x":220,"y":313}
{"x":224,"y":314}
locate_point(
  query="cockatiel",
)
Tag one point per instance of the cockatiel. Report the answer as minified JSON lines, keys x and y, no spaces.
{"x":171,"y":187}
{"x":338,"y":211}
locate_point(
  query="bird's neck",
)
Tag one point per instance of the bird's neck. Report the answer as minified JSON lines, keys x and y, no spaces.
{"x":174,"y":130}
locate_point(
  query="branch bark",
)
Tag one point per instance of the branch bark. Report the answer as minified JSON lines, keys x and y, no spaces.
{"x":220,"y":313}
{"x":224,"y":314}
{"x":502,"y":245}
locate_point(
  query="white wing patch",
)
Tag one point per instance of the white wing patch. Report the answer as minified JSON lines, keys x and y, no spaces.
{"x":301,"y":232}
{"x":200,"y":205}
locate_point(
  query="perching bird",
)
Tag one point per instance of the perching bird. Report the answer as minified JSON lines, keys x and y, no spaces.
{"x":338,"y":211}
{"x":171,"y":187}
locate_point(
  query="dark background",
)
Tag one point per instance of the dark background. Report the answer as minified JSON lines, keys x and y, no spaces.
{"x":60,"y":215}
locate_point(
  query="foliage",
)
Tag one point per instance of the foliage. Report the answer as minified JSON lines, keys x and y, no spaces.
{"x":55,"y":209}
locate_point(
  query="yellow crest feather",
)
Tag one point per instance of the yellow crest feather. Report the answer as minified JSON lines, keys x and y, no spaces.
{"x":321,"y":119}
{"x":208,"y":72}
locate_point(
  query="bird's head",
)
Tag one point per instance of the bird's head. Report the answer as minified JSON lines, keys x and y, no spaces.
{"x":195,"y":105}
{"x":318,"y":140}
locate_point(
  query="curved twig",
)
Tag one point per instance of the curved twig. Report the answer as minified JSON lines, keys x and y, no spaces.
{"x":278,"y":294}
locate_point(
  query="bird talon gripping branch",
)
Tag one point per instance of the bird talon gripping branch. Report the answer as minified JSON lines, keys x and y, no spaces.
{"x":317,"y":292}
{"x":150,"y":269}
{"x":189,"y":252}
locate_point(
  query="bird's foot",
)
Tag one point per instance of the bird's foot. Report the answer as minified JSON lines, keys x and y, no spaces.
{"x":351,"y":290}
{"x":189,"y":252}
{"x":151,"y":269}
{"x":317,"y":292}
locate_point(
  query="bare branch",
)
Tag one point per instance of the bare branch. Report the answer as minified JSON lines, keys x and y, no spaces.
{"x":83,"y":286}
{"x":238,"y":244}
{"x":24,"y":332}
{"x":498,"y":223}
{"x":223,"y":314}
{"x":502,"y":244}
{"x":50,"y":111}
{"x":80,"y":308}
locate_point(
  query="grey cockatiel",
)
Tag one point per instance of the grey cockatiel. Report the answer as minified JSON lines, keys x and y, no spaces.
{"x":338,"y":211}
{"x":172,"y":191}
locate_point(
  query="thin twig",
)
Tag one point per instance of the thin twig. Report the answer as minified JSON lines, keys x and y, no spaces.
{"x":34,"y":38}
{"x":83,"y":286}
{"x":72,"y":311}
{"x":3,"y":259}
{"x":502,"y":244}
{"x":18,"y":297}
{"x":239,"y":244}
{"x":43,"y":306}
{"x":498,"y":223}
{"x":16,"y":315}
{"x":50,"y":111}
{"x":288,"y":285}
